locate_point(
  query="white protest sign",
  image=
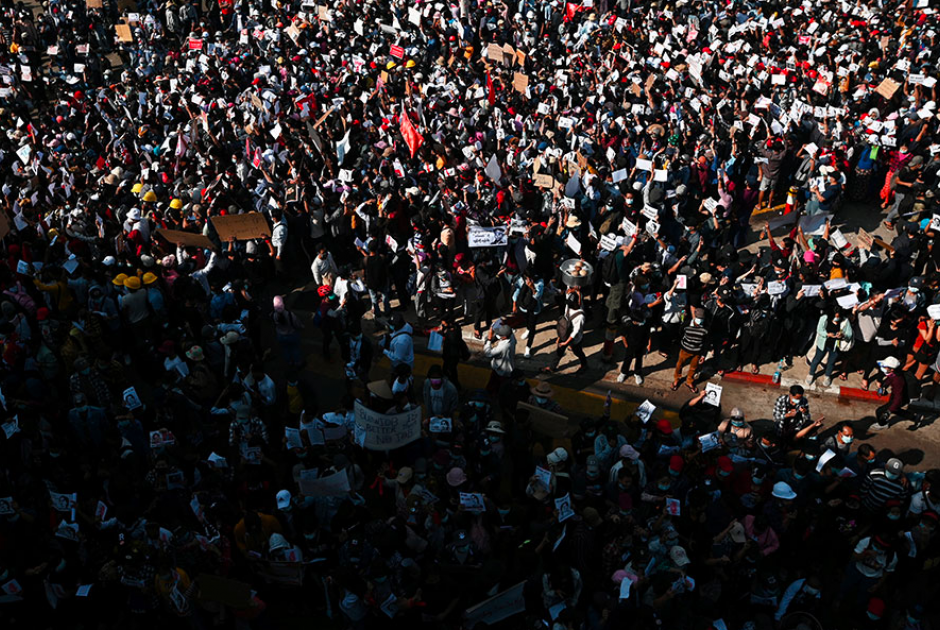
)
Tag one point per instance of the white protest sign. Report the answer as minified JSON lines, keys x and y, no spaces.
{"x":709,"y":441}
{"x":131,"y":399}
{"x":673,"y":507}
{"x":824,"y":459}
{"x":645,"y":411}
{"x":383,"y":432}
{"x":486,"y":237}
{"x":440,"y":425}
{"x":563,"y":505}
{"x":712,"y":394}
{"x":472,"y":502}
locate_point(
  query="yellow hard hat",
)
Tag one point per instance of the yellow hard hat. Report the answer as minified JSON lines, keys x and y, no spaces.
{"x":137,"y":188}
{"x":149,"y":278}
{"x":150,"y":196}
{"x":391,"y":64}
{"x":132,"y":283}
{"x":119,"y":280}
{"x":410,"y":63}
{"x":176,"y":204}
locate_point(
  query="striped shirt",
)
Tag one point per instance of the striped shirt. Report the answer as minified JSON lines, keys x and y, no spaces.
{"x":877,"y":490}
{"x":693,"y":339}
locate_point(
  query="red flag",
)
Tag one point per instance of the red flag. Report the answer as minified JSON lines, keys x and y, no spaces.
{"x":491,"y":97}
{"x":413,"y":139}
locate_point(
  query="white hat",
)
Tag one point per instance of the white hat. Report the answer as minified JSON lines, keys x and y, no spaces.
{"x":557,"y":456}
{"x":133,"y":214}
{"x":891,"y":362}
{"x":782,"y":490}
{"x":283,"y":499}
{"x":495,"y":426}
{"x":678,"y":555}
{"x":277,"y":542}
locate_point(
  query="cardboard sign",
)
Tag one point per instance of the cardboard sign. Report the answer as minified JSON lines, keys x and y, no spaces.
{"x":545,"y":422}
{"x":124,"y":33}
{"x":241,"y":227}
{"x":486,"y":237}
{"x":494,"y":52}
{"x":544,"y":181}
{"x":93,"y":4}
{"x":397,"y":51}
{"x":332,"y":485}
{"x":520,"y":82}
{"x":187,"y":239}
{"x":887,"y":88}
{"x":195,"y":43}
{"x":383,"y":432}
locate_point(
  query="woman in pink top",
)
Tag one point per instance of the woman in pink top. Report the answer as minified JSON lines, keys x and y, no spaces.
{"x":760,"y":533}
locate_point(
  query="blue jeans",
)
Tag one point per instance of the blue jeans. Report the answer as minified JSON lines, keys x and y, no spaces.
{"x":375,"y":297}
{"x":830,"y":363}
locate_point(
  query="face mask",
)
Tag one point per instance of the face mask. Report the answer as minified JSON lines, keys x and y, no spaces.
{"x":722,"y":473}
{"x":914,"y":290}
{"x":310,"y":536}
{"x":664,"y":486}
{"x":847,"y":439}
{"x":698,"y":321}
{"x":541,"y":400}
{"x":794,"y":401}
{"x":798,"y":476}
{"x":590,"y":434}
{"x":479,"y":404}
{"x":872,"y":616}
{"x":810,"y":458}
{"x":502,"y":512}
{"x":884,"y":370}
{"x":737,"y":423}
{"x":893,"y":516}
{"x":891,"y":475}
{"x":757,"y":480}
{"x":495,"y":439}
{"x":436,"y":382}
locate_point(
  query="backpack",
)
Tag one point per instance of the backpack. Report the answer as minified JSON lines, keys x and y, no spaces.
{"x":610,"y":269}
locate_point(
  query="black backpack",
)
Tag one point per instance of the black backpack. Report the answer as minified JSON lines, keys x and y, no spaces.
{"x":610,"y":269}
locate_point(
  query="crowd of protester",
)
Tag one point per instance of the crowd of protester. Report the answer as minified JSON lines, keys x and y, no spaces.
{"x":421,"y":169}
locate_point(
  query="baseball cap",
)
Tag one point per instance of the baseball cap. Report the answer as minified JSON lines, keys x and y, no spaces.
{"x":679,"y":557}
{"x":894,"y":468}
{"x":557,"y":456}
{"x":404,"y":475}
{"x":676,"y":463}
{"x":664,"y":427}
{"x":283,"y":499}
{"x":737,"y":533}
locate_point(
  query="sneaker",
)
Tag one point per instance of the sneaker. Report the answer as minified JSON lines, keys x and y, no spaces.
{"x":877,"y":427}
{"x":826,"y":382}
{"x":528,"y":353}
{"x":809,"y":380}
{"x":621,"y":377}
{"x":638,"y":379}
{"x":525,"y":335}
